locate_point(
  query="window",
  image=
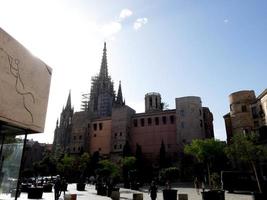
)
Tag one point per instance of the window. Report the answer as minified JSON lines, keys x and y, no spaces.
{"x":244,"y":108}
{"x":78,"y":148}
{"x":200,"y":112}
{"x":120,"y":133}
{"x":95,"y":127}
{"x":172,"y":119}
{"x":73,"y":148}
{"x":100,"y":126}
{"x":80,"y":137}
{"x":164,"y":119}
{"x":149,"y":121}
{"x":150,"y":101}
{"x":142,"y":122}
{"x":120,"y":146}
{"x":254,"y":112}
{"x":99,"y":149}
{"x":231,"y":107}
{"x":74,"y":137}
{"x":201,"y":123}
{"x":169,"y":146}
{"x":115,"y":135}
{"x":115,"y":146}
{"x":156,"y":120}
{"x":94,"y":135}
{"x":182,"y":112}
{"x":135,"y":123}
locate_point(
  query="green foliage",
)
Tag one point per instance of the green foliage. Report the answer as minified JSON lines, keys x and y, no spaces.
{"x":169,"y":174}
{"x":108,"y":169}
{"x":205,"y":150}
{"x":66,"y":166}
{"x":215,"y":180}
{"x":129,"y":162}
{"x":244,"y":148}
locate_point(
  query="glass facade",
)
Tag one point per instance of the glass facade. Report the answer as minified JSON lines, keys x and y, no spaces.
{"x":12,"y":141}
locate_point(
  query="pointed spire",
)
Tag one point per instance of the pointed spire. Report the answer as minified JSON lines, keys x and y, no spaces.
{"x":69,"y":100}
{"x":104,"y":64}
{"x":119,"y":96}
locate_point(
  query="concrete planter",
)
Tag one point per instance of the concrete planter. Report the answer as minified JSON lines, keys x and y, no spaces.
{"x":138,"y":196}
{"x":35,"y":192}
{"x":170,"y":194}
{"x":213,"y":194}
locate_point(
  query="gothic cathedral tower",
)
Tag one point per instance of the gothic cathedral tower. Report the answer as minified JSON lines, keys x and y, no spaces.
{"x":102,"y":95}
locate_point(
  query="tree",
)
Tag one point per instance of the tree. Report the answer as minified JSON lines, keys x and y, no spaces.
{"x":162,"y":155}
{"x":126,"y":150}
{"x":108,"y":169}
{"x":206,"y":151}
{"x":128,"y":164}
{"x":245,"y":148}
{"x":65,"y":166}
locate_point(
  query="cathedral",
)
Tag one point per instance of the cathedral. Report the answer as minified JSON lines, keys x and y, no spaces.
{"x":106,"y":124}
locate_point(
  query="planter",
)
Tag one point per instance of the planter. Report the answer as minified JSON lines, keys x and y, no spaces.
{"x":101,"y":190}
{"x":213,"y":194}
{"x":35,"y":192}
{"x":110,"y":190}
{"x":48,"y":187}
{"x":259,"y":196}
{"x":138,"y":196}
{"x":170,"y":194}
{"x":115,"y":195}
{"x":80,"y":186}
{"x":183,"y":196}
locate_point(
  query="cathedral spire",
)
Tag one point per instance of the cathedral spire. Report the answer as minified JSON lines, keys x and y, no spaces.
{"x":104,"y":64}
{"x":69,"y":101}
{"x":119,"y":96}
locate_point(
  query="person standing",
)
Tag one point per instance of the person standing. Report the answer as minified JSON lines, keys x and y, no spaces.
{"x":153,"y":190}
{"x":57,"y":187}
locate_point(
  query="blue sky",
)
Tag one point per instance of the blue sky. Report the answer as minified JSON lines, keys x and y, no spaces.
{"x":175,"y":47}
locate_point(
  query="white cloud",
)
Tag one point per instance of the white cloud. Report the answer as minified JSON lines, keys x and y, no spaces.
{"x":139,"y":23}
{"x":110,"y":29}
{"x":125,"y":13}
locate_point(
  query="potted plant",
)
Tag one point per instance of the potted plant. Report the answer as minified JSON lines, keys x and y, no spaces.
{"x":168,"y":175}
{"x":245,"y":148}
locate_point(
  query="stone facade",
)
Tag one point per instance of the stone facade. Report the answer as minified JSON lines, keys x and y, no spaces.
{"x":106,"y":123}
{"x":247,"y":112}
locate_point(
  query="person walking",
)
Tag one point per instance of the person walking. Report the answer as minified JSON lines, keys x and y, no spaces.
{"x":57,"y":187}
{"x":197,"y":184}
{"x":153,"y":190}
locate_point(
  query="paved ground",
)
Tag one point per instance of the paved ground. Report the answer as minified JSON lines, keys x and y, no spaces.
{"x":125,"y":194}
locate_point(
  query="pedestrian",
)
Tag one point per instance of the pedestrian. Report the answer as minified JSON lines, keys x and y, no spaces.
{"x":57,"y":187}
{"x":197,"y":184}
{"x":153,"y":190}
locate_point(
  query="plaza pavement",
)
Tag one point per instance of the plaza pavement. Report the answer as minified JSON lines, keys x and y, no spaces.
{"x":126,"y":194}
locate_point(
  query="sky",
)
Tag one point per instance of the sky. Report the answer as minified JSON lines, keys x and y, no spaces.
{"x":175,"y":47}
